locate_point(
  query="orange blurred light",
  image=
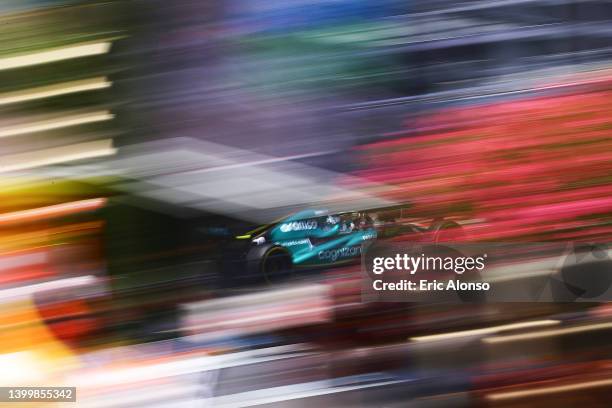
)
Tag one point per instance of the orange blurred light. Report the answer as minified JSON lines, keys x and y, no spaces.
{"x":52,"y":211}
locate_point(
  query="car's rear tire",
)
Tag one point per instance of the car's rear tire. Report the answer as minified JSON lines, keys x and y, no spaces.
{"x":446,"y":231}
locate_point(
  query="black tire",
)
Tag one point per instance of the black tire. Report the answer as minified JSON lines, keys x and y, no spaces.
{"x":270,"y":263}
{"x":276,"y":264}
{"x":439,"y":226}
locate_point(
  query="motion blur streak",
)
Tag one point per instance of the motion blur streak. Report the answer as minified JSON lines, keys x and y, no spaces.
{"x":48,"y":56}
{"x":548,"y":390}
{"x":52,"y":210}
{"x":188,"y":188}
{"x":11,"y":294}
{"x":79,"y":151}
{"x":50,"y":124}
{"x":486,"y":330}
{"x":22,"y":365}
{"x":548,"y":333}
{"x":54,"y":90}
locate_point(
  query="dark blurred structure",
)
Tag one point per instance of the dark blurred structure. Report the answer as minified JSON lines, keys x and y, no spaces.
{"x":129,"y":129}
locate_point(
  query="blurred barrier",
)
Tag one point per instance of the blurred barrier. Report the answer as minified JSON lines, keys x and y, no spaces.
{"x":171,"y":118}
{"x":249,"y":314}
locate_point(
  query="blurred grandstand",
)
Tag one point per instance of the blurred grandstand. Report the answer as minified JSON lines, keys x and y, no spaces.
{"x":127,"y":128}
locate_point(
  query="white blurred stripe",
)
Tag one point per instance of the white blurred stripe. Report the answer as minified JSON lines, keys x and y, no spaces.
{"x":263,"y":161}
{"x":24,"y":368}
{"x":54,"y":90}
{"x":25,"y":291}
{"x":8,"y":262}
{"x":147,"y":372}
{"x":548,"y":333}
{"x":51,"y":124}
{"x":58,"y":54}
{"x":486,"y":330}
{"x":142,"y":395}
{"x":258,"y":312}
{"x":288,"y":393}
{"x":56,"y":155}
{"x":289,"y":293}
{"x":548,"y":390}
{"x":263,"y":318}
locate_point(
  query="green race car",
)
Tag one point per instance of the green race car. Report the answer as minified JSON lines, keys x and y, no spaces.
{"x":311,"y":239}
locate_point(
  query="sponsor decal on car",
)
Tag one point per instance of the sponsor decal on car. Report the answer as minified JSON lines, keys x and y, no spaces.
{"x":298,"y":226}
{"x":335,"y":254}
{"x":294,"y":242}
{"x":369,"y":235}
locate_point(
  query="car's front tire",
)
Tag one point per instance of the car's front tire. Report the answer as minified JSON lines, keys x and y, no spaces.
{"x":270,"y":263}
{"x":276,"y":264}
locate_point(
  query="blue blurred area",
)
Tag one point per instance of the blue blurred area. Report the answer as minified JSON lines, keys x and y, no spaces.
{"x":278,"y":16}
{"x":141,"y":139}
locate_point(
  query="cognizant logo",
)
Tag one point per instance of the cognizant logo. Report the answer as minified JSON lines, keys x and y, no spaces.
{"x":335,"y":254}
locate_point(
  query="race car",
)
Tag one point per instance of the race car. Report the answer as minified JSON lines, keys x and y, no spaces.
{"x":317,"y":238}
